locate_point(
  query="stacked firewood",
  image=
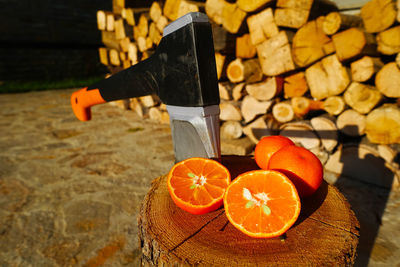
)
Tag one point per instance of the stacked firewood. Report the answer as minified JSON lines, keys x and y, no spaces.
{"x":296,"y":68}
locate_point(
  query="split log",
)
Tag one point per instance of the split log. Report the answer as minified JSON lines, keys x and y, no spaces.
{"x":154,"y":34}
{"x":229,"y":111}
{"x":225,"y":90}
{"x":250,"y":108}
{"x":231,"y":130}
{"x":302,"y":105}
{"x":354,"y":42}
{"x":327,"y":78}
{"x":155,"y":114}
{"x":327,"y":131}
{"x":114,"y":57}
{"x":387,"y":80}
{"x":310,"y":44}
{"x":262,"y":126}
{"x":335,"y":22}
{"x":161,"y":23}
{"x":238,"y":91}
{"x":351,"y":123}
{"x":135,"y":105}
{"x":326,"y":218}
{"x":122,"y":29}
{"x":363,"y":163}
{"x":295,"y":85}
{"x":142,"y":27}
{"x":132,"y":53}
{"x":124,"y":44}
{"x":383,"y":125}
{"x":244,"y":47}
{"x":144,"y":43}
{"x":262,"y":26}
{"x":363,"y":69}
{"x":361,"y":97}
{"x":109,"y":40}
{"x":301,"y":133}
{"x":174,"y":9}
{"x":334,"y":105}
{"x":378,"y":15}
{"x":252,"y":5}
{"x":101,"y":16}
{"x":241,"y":146}
{"x":149,"y":101}
{"x":275,"y":55}
{"x":292,"y":13}
{"x":214,"y":10}
{"x":187,"y":7}
{"x":283,"y":112}
{"x":232,"y":17}
{"x":220,"y":63}
{"x":389,"y":41}
{"x":110,"y":21}
{"x":165,"y":117}
{"x":129,"y":15}
{"x":244,"y":70}
{"x":103,"y":55}
{"x":265,"y":90}
{"x":122,"y":103}
{"x":155,"y":11}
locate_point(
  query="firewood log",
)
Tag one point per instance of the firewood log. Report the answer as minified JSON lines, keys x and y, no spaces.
{"x":302,"y":105}
{"x":132,"y":53}
{"x":187,"y":7}
{"x":214,"y":10}
{"x":292,"y":13}
{"x":252,"y":5}
{"x":161,"y":23}
{"x":275,"y":55}
{"x":103,"y":55}
{"x":238,"y":91}
{"x":241,"y":146}
{"x":174,"y":9}
{"x":361,"y":97}
{"x":310,"y":43}
{"x":387,"y":80}
{"x":129,"y":15}
{"x":135,"y":105}
{"x":335,"y":22}
{"x":327,"y":77}
{"x":155,"y":11}
{"x":122,"y":29}
{"x":231,"y":130}
{"x":165,"y":117}
{"x":283,"y":112}
{"x":142,"y":27}
{"x":110,"y":19}
{"x":262,"y":26}
{"x":154,"y":34}
{"x":351,"y":123}
{"x":114,"y":57}
{"x":295,"y":85}
{"x":354,"y":42}
{"x":265,"y":90}
{"x":144,"y":43}
{"x":155,"y":114}
{"x":124,"y":44}
{"x":364,"y":68}
{"x":383,"y":125}
{"x":389,"y":41}
{"x":230,"y":111}
{"x":301,"y":133}
{"x":378,"y":15}
{"x":244,"y":70}
{"x":220,"y":64}
{"x":334,"y":105}
{"x":123,"y":56}
{"x":262,"y":126}
{"x":109,"y":40}
{"x":101,"y":16}
{"x":126,"y":63}
{"x":232,"y":17}
{"x":122,"y":103}
{"x":244,"y":47}
{"x":327,"y":131}
{"x":149,"y":101}
{"x":251,"y":107}
{"x":225,"y":90}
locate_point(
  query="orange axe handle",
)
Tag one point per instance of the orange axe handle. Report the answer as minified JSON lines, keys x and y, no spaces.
{"x":82,"y":100}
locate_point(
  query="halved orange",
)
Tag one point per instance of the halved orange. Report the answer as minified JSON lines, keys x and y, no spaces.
{"x":262,"y":203}
{"x":198,"y":185}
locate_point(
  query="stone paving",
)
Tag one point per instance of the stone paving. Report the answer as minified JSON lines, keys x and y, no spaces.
{"x":70,"y":191}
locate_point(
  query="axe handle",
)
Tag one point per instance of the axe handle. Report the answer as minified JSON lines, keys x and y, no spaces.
{"x":82,"y":100}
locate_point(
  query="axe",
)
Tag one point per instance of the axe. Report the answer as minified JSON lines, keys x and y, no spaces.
{"x":182,"y":72}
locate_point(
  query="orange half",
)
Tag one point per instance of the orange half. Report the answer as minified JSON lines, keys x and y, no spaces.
{"x":262,"y":203}
{"x":198,"y":185}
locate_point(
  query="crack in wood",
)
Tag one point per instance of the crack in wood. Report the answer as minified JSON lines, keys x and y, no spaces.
{"x":196,"y":232}
{"x":335,"y":226}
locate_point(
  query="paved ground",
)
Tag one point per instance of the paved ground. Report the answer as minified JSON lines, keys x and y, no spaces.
{"x":70,"y":191}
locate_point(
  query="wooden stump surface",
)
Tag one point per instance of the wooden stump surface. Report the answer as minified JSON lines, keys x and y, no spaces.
{"x":326,"y":232}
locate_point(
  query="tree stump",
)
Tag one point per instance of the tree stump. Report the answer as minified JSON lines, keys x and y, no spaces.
{"x":326,"y":232}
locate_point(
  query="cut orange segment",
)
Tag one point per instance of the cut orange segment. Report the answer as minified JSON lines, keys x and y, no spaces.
{"x":262,"y":203}
{"x":198,"y":185}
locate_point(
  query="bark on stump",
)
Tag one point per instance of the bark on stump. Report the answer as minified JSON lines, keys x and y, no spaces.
{"x":326,"y":232}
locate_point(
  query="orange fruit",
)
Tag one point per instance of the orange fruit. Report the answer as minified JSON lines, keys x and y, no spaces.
{"x":267,"y":146}
{"x":197,"y":185}
{"x":301,"y":166}
{"x":262,"y":203}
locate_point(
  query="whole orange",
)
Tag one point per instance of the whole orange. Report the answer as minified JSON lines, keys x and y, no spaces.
{"x":267,"y":146}
{"x":301,"y":166}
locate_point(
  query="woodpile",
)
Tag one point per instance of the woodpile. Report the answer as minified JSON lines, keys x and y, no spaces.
{"x":297,"y":68}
